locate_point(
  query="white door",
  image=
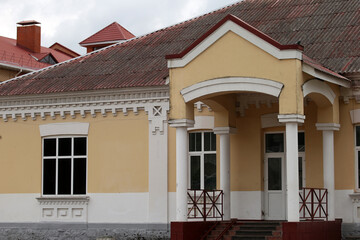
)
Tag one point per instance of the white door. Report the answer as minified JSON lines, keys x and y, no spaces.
{"x":275,"y":193}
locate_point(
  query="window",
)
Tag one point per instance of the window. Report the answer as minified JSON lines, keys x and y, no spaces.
{"x":64,"y":165}
{"x":357,"y":161}
{"x":202,"y":148}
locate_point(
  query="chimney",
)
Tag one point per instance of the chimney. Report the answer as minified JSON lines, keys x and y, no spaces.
{"x":29,"y":35}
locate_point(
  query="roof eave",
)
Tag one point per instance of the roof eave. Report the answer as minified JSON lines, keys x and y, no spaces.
{"x":341,"y":81}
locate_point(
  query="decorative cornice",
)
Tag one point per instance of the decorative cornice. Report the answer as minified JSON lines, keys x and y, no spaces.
{"x":91,"y":102}
{"x":327,"y":126}
{"x":291,"y":118}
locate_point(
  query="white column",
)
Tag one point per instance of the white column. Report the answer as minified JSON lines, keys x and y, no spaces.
{"x":182,"y":149}
{"x":224,"y":133}
{"x":328,"y":163}
{"x":292,"y":168}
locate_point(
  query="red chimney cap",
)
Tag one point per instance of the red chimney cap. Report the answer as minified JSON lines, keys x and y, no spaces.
{"x":28,"y":22}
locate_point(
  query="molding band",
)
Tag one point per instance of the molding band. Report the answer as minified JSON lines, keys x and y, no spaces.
{"x":291,"y":118}
{"x":317,"y":86}
{"x":176,"y":123}
{"x":327,"y":126}
{"x":74,"y":128}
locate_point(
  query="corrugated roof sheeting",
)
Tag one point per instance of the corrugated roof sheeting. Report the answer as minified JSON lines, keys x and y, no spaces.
{"x":329,"y":30}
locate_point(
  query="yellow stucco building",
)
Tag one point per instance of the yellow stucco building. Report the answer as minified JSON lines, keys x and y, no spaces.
{"x":133,"y":135}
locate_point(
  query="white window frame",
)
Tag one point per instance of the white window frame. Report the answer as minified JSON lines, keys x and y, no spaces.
{"x":357,"y":150}
{"x":57,"y":157}
{"x":202,"y":160}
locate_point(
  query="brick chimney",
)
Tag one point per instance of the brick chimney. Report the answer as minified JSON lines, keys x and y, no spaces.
{"x":29,"y":35}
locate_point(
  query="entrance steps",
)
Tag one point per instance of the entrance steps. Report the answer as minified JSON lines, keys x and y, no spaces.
{"x":247,"y":230}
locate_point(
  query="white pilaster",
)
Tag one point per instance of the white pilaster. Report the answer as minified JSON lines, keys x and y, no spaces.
{"x":328,"y":163}
{"x":182,"y":149}
{"x":224,"y":133}
{"x":292,"y":169}
{"x":158,"y":163}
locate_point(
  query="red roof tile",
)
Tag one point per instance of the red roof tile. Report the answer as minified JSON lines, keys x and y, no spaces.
{"x":141,"y":61}
{"x":113,"y":32}
{"x":11,"y":54}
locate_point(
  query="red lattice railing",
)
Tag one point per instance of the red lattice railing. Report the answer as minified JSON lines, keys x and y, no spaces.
{"x":205,"y":204}
{"x":313,"y":204}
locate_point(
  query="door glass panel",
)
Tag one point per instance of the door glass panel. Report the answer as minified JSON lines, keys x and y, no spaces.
{"x":300,"y":173}
{"x":357,"y":135}
{"x":274,"y":142}
{"x":274,"y":174}
{"x":209,"y":141}
{"x":210,"y":171}
{"x":195,"y":172}
{"x":301,"y":142}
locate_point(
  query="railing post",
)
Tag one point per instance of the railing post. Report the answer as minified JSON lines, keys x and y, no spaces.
{"x":204,"y":213}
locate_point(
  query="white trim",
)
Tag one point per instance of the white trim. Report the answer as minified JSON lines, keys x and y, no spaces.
{"x":178,"y":123}
{"x":73,"y":128}
{"x":324,"y":76}
{"x":288,"y":118}
{"x":327,"y":126}
{"x":13,"y":67}
{"x":231,"y":84}
{"x":242,"y":32}
{"x":317,"y":86}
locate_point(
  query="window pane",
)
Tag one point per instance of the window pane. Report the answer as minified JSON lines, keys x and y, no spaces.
{"x":195,"y":172}
{"x":209,"y":141}
{"x":197,"y":142}
{"x":80,"y":146}
{"x":79,"y":176}
{"x":210,"y":171}
{"x":300,"y":173}
{"x":191,"y":142}
{"x":358,"y":169}
{"x":274,"y":142}
{"x":357,"y":135}
{"x":49,"y":147}
{"x":49,"y":176}
{"x":274,"y":174}
{"x":64,"y":176}
{"x":64,"y":146}
{"x":301,"y":142}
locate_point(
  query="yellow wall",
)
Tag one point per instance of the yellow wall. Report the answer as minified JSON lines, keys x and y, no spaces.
{"x":117,"y":154}
{"x":6,"y":74}
{"x":231,"y":55}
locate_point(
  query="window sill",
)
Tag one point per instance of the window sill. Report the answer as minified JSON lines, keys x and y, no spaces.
{"x":355,"y":197}
{"x":64,"y":200}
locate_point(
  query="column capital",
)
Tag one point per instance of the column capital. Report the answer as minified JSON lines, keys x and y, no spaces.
{"x":224,"y":130}
{"x":176,"y":123}
{"x":291,"y":118}
{"x":327,"y":126}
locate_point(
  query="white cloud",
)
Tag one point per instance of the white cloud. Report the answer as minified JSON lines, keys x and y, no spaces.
{"x":71,"y":21}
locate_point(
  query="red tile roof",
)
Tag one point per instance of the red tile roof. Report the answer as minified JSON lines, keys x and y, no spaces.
{"x":328,"y":30}
{"x":13,"y":55}
{"x":113,"y":32}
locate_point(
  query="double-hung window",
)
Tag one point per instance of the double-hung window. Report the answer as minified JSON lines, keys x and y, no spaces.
{"x":202,"y":151}
{"x":64,"y":165}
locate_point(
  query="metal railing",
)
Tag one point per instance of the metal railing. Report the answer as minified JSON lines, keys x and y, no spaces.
{"x":205,"y":204}
{"x":313,"y":204}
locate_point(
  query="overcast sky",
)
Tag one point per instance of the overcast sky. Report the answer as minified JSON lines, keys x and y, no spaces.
{"x":71,"y":21}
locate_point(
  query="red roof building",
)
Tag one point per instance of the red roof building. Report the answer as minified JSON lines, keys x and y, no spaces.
{"x":111,"y":34}
{"x":25,"y":54}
